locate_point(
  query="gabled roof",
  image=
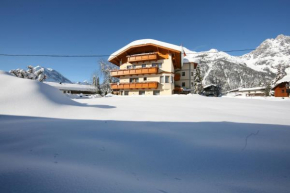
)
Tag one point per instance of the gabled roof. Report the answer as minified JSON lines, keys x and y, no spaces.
{"x":284,"y":79}
{"x":188,"y":59}
{"x":145,"y":42}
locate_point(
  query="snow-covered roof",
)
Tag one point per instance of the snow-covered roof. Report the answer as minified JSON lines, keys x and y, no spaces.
{"x":206,"y":86}
{"x":145,"y":42}
{"x":246,"y":89}
{"x":251,"y":89}
{"x":188,"y":59}
{"x":71,"y":87}
{"x":284,"y":79}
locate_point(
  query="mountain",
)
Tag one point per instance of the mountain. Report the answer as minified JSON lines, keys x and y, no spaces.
{"x":270,"y":54}
{"x":250,"y":70}
{"x":53,"y":75}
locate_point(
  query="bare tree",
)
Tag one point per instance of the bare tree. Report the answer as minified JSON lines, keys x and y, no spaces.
{"x":103,"y":76}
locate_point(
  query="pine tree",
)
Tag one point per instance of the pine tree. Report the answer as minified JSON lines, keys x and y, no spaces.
{"x":197,"y":81}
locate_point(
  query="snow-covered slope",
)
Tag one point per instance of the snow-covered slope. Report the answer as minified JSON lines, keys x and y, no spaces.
{"x":269,"y":54}
{"x":250,"y":70}
{"x":49,"y":143}
{"x":53,"y":75}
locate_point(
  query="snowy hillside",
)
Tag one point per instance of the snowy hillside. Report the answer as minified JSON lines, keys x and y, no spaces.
{"x":53,"y":75}
{"x":254,"y":69}
{"x":49,"y":143}
{"x":269,"y":54}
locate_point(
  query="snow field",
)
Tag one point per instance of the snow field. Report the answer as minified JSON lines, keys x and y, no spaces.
{"x":163,"y":144}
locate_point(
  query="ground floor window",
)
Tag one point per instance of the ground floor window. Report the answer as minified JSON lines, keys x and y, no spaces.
{"x":156,"y":92}
{"x":183,"y":84}
{"x":142,"y":92}
{"x":126,"y":92}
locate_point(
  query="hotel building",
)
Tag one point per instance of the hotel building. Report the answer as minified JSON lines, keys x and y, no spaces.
{"x":151,"y":67}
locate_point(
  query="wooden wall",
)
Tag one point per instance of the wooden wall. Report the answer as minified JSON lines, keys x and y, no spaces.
{"x":280,"y":90}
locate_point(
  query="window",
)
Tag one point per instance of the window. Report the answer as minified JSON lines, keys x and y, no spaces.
{"x":161,"y":79}
{"x":145,"y":78}
{"x":156,"y":92}
{"x":183,"y":73}
{"x":191,"y":73}
{"x":183,"y":84}
{"x":159,"y":65}
{"x":282,"y":90}
{"x":134,"y":80}
{"x":126,"y":92}
{"x":143,"y":65}
{"x":129,"y":67}
{"x":134,"y":66}
{"x":142,"y":92}
{"x":166,"y":79}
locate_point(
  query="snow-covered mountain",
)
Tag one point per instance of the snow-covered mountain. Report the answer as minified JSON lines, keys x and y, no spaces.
{"x":53,"y":75}
{"x":270,"y":54}
{"x":253,"y":69}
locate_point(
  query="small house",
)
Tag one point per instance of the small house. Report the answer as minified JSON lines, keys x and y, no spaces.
{"x":211,"y":90}
{"x":68,"y":88}
{"x":248,"y":92}
{"x":281,"y":88}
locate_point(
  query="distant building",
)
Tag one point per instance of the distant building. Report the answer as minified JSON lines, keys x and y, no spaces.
{"x":151,"y":67}
{"x":73,"y":88}
{"x":248,"y":92}
{"x":211,"y":90}
{"x":281,"y":89}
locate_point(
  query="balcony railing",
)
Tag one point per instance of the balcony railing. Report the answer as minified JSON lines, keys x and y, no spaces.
{"x":135,"y":71}
{"x":143,"y":57}
{"x":135,"y":85}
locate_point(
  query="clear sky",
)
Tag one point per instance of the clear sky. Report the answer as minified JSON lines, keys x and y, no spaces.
{"x":83,"y":27}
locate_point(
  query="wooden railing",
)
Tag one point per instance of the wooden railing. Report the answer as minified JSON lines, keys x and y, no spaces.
{"x":145,"y":57}
{"x":135,"y":71}
{"x":135,"y":85}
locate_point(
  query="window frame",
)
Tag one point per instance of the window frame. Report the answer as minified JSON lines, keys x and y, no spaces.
{"x":142,"y":91}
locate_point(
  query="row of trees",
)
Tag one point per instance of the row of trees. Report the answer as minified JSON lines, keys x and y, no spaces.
{"x":30,"y":73}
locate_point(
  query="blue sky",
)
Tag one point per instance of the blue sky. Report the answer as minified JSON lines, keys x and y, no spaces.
{"x":82,"y":27}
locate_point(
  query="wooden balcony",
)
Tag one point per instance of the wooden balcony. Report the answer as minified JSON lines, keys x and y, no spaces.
{"x":135,"y":85}
{"x":143,"y":57}
{"x":135,"y":71}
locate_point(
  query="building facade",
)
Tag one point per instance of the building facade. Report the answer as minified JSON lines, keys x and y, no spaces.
{"x":248,"y":92}
{"x":151,"y":67}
